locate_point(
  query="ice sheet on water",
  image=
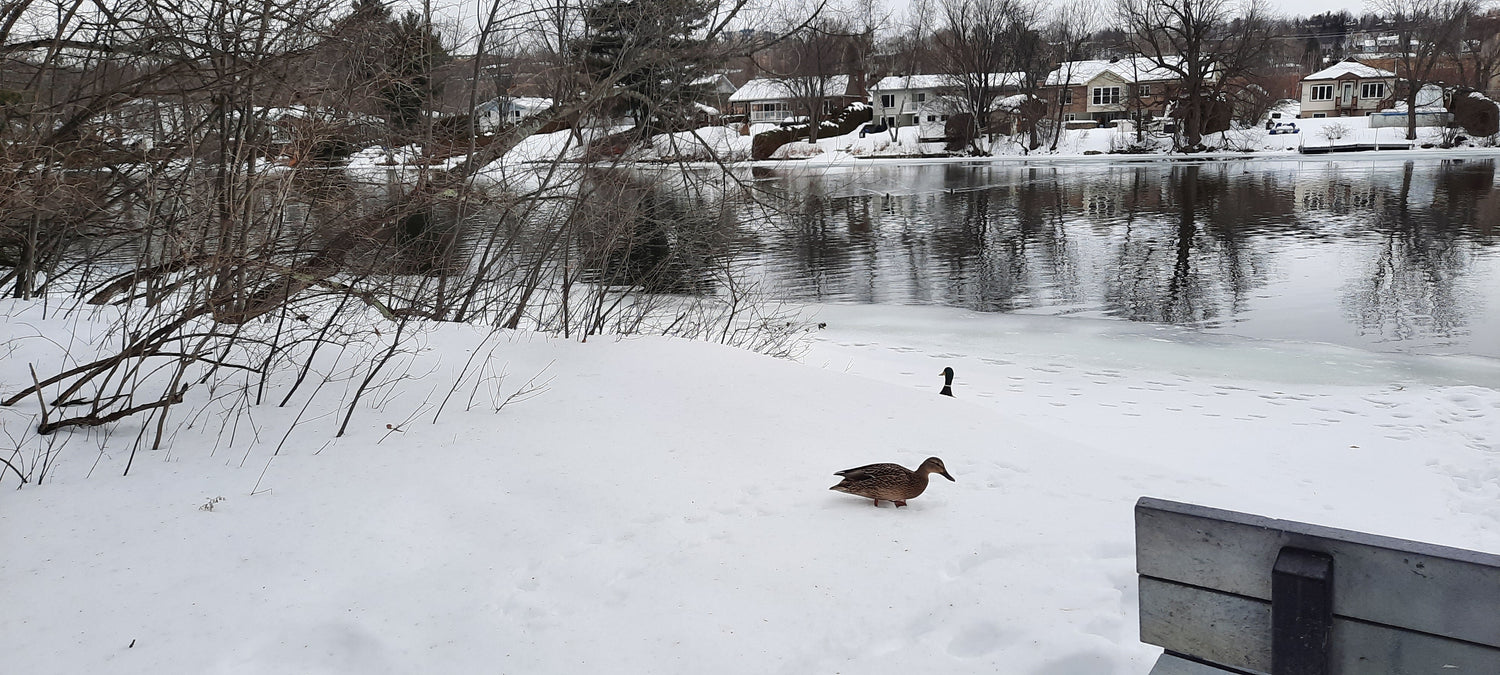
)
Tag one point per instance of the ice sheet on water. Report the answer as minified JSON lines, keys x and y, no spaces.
{"x":1108,"y":343}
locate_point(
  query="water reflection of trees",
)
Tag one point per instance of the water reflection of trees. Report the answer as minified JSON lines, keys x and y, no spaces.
{"x":1413,"y":285}
{"x":1184,"y":244}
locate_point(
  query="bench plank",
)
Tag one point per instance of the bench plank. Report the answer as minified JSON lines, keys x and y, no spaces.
{"x":1217,"y":627}
{"x":1171,"y":664}
{"x":1439,"y":590}
{"x":1235,"y":631}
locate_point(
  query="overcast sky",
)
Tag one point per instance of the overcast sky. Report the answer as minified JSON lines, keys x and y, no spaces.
{"x":1282,"y":7}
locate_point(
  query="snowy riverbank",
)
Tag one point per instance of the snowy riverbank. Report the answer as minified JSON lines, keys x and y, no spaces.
{"x":663,"y":505}
{"x":712,"y":146}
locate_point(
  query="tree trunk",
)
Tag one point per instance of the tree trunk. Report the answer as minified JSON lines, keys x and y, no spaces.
{"x":1411,"y":112}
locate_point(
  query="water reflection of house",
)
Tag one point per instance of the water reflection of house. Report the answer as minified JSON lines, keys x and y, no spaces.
{"x":1120,"y":192}
{"x":1337,"y":196}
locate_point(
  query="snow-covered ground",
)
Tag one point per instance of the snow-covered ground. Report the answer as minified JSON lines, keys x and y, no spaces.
{"x":727,"y":145}
{"x":662,"y":507}
{"x":1113,"y":144}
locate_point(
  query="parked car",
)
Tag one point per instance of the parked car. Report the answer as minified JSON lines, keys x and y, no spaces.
{"x":1282,"y":128}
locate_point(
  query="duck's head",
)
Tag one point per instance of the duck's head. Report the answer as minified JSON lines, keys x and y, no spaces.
{"x":935,"y":465}
{"x":947,"y":374}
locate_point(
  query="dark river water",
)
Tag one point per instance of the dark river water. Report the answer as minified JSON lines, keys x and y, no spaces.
{"x":1389,"y":255}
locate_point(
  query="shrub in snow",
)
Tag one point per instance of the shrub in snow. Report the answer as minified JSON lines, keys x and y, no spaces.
{"x":1126,"y":144}
{"x":797,"y":150}
{"x":1335,"y":131}
{"x":1243,"y":140}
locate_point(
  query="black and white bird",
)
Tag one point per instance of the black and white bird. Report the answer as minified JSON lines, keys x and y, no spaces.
{"x":947,"y":382}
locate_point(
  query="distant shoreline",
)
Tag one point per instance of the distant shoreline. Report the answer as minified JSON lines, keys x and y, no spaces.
{"x":1144,"y":158}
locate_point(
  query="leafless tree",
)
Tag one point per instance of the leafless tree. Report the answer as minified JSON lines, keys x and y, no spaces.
{"x":1068,"y":34}
{"x":1207,"y":44}
{"x":1478,"y":60}
{"x":912,"y":45}
{"x":985,"y":46}
{"x":1426,"y":32}
{"x":813,"y":66}
{"x":154,"y":159}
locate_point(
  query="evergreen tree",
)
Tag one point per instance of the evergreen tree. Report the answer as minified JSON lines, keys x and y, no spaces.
{"x":656,"y":51}
{"x":396,"y":56}
{"x":414,"y":52}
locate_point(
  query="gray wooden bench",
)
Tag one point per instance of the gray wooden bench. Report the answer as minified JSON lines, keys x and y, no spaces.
{"x":1226,"y":592}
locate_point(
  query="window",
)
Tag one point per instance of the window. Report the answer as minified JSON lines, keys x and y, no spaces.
{"x":1143,"y":89}
{"x":774,"y":111}
{"x":932,"y":118}
{"x":1374,"y":90}
{"x":890,"y":121}
{"x":1068,"y":96}
{"x":943,"y":118}
{"x":1320,"y":92}
{"x":1106,"y":96}
{"x":1320,"y":115}
{"x":921,"y":97}
{"x":887,"y":100}
{"x":1069,"y":117}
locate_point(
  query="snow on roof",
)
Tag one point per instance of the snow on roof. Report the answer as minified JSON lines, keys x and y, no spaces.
{"x":1350,"y":67}
{"x":776,"y":88}
{"x":717,"y":82}
{"x":1013,"y":103}
{"x":942,"y":81}
{"x":1139,"y":69}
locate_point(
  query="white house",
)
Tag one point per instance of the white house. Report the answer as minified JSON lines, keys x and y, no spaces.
{"x":507,"y":110}
{"x":925,"y":101}
{"x":1347,"y":88}
{"x":773,"y":100}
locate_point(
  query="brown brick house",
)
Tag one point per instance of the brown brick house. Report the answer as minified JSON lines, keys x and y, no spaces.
{"x":1107,"y":90}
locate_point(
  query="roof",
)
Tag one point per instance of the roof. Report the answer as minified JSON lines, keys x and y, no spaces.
{"x":718,"y":83}
{"x":1349,"y":67}
{"x":943,"y":81}
{"x":776,"y":88}
{"x":1138,"y":69}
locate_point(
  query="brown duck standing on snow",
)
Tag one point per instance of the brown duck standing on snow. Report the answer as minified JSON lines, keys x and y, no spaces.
{"x":891,"y":482}
{"x":947,"y":382}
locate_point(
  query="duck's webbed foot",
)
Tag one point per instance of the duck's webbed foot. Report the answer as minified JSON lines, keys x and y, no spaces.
{"x":900,"y":503}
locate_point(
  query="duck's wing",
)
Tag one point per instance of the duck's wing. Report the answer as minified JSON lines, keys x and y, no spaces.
{"x":870,"y":471}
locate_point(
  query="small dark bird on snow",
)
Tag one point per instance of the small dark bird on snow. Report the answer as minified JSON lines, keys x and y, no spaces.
{"x":947,"y":382}
{"x":891,"y":482}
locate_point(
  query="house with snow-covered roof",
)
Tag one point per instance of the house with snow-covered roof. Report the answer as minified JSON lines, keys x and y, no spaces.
{"x":495,"y":113}
{"x":775,"y":99}
{"x":714,"y":91}
{"x":1347,"y":89}
{"x":1107,"y":90}
{"x":927,"y":100}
